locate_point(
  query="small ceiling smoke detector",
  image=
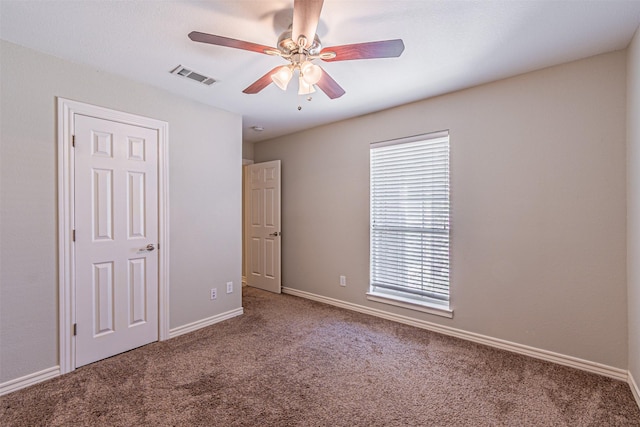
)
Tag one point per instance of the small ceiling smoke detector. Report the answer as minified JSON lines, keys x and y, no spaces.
{"x":185,"y":72}
{"x":257,"y":128}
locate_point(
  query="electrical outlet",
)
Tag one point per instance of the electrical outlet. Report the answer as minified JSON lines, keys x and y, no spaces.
{"x":214,"y":293}
{"x":229,"y":287}
{"x":343,"y":280}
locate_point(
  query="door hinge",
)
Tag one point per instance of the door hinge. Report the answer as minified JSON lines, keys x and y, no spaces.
{"x":73,"y":235}
{"x":75,"y":329}
{"x":73,"y":140}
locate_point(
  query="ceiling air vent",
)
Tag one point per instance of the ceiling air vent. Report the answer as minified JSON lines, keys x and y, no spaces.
{"x":185,"y":72}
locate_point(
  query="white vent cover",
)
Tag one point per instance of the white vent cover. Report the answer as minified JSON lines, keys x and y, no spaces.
{"x":185,"y":72}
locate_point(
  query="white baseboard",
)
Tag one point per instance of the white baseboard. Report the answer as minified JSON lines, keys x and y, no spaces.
{"x":585,"y":365}
{"x":37,"y":377}
{"x":190,"y":327}
{"x":27,"y":380}
{"x":561,"y":359}
{"x":634,"y":389}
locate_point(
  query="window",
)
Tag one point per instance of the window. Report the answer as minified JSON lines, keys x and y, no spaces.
{"x":410,"y":223}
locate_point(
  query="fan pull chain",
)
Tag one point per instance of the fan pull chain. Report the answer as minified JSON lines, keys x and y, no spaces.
{"x":309,"y":99}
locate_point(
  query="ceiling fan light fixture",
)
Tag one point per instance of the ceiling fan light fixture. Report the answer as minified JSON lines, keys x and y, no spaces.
{"x":305,"y":88}
{"x":311,"y":73}
{"x":300,"y":45}
{"x":282,"y":77}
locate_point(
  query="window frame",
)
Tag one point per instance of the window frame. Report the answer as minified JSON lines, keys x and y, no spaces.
{"x":407,"y":299}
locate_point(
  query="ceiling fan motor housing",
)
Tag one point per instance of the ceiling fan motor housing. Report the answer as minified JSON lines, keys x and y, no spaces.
{"x":287,"y":46}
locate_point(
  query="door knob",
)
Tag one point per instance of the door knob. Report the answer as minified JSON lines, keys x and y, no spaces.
{"x":275,"y":234}
{"x":150,"y":247}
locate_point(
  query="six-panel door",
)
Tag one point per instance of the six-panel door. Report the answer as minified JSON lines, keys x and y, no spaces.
{"x":116,"y":218}
{"x":263,"y":254}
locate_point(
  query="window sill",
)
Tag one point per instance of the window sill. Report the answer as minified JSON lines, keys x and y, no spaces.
{"x":423,"y":306}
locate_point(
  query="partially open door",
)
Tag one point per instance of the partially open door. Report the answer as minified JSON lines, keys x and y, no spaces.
{"x":263,"y":237}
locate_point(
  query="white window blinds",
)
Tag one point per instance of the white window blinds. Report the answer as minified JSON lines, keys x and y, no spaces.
{"x":410,"y":217}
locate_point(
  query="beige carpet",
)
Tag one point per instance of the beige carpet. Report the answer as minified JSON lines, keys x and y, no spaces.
{"x":292,"y":362}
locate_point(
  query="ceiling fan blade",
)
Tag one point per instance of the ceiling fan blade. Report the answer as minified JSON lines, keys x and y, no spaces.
{"x":226,"y":41}
{"x":369,"y":50}
{"x":306,"y":15}
{"x":330,"y":86}
{"x":261,"y":83}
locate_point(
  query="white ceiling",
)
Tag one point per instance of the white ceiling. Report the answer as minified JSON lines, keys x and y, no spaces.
{"x":450,"y":45}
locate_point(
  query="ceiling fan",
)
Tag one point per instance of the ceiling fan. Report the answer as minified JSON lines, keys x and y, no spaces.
{"x":300,"y":45}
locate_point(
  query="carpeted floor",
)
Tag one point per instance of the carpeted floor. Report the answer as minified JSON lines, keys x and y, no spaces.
{"x":293,"y":362}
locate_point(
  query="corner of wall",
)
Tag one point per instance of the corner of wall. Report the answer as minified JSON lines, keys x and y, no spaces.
{"x":247,"y":150}
{"x":633,"y":212}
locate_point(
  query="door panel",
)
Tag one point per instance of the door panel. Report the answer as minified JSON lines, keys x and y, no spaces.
{"x":102,"y":204}
{"x":137,"y":290}
{"x":263,"y":236}
{"x":269,"y":258}
{"x":136,"y":199}
{"x":116,"y":217}
{"x":103,"y":298}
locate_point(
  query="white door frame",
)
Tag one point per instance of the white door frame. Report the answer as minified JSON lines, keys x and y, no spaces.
{"x":67,"y":109}
{"x":245,"y":223}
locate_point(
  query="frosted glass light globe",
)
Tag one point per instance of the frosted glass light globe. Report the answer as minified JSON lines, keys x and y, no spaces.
{"x":311,"y":73}
{"x":282,"y":77}
{"x":305,"y":88}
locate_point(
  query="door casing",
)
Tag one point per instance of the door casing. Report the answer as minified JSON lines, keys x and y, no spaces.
{"x":67,"y":109}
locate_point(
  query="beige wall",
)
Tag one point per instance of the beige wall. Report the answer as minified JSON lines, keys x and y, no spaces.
{"x":538,"y":206}
{"x":205,"y":152}
{"x":633,"y":209}
{"x":247,"y":150}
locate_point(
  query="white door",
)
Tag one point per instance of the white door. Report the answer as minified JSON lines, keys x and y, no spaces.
{"x":116,"y":235}
{"x":263,"y":223}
